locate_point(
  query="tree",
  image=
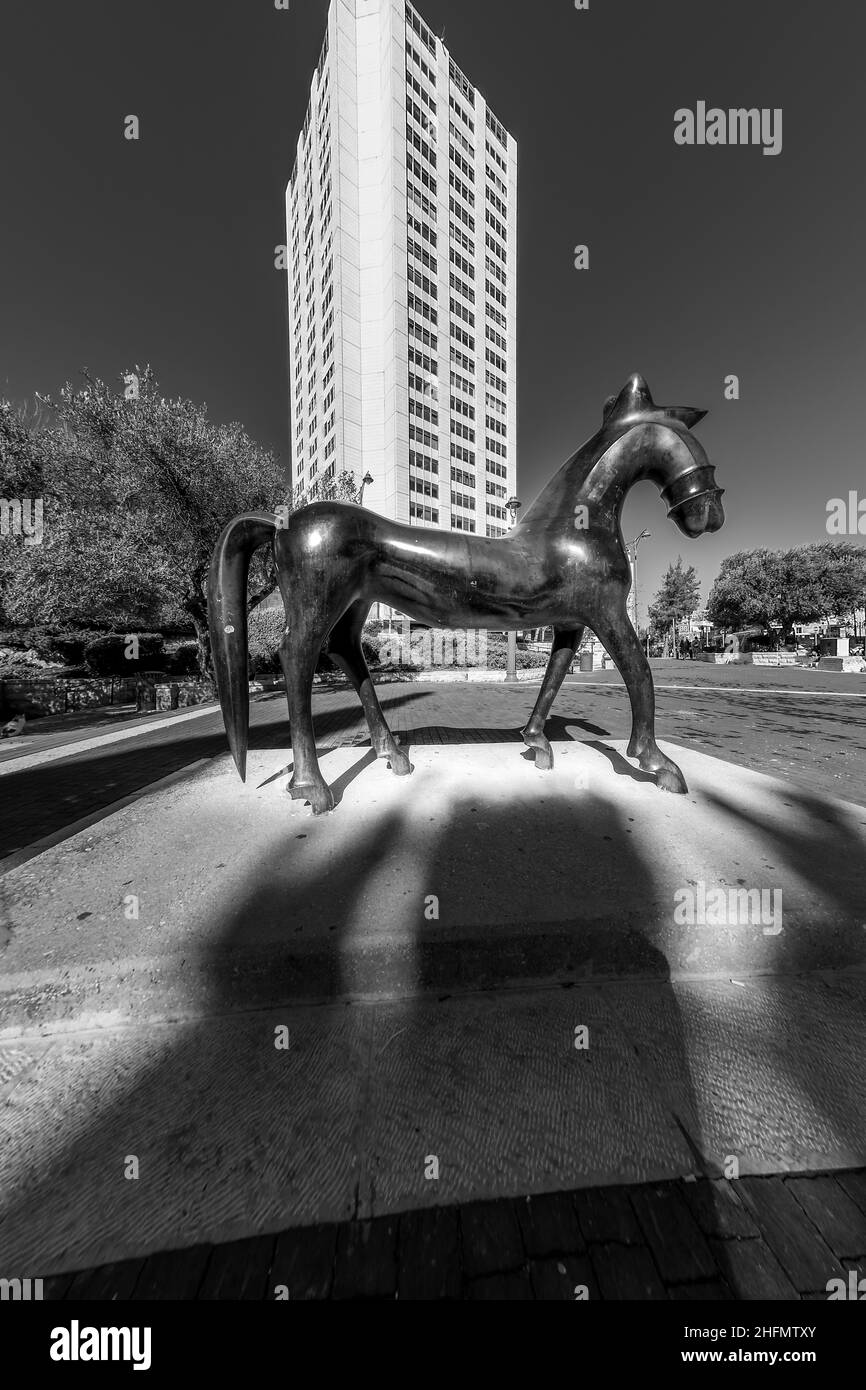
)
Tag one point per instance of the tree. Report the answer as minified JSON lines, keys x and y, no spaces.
{"x":745,"y":593}
{"x":844,"y":576}
{"x":137,"y":490}
{"x":676,"y":599}
{"x":779,"y":588}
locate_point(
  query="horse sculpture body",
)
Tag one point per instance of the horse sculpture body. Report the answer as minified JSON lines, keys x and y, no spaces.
{"x":564,"y":565}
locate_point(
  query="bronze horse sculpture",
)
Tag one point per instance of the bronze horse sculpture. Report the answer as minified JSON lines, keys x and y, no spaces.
{"x":564,"y":565}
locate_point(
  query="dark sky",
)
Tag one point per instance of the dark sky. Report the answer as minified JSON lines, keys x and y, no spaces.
{"x":704,"y":261}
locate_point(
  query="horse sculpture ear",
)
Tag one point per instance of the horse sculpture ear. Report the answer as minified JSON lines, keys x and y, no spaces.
{"x":633,"y":399}
{"x":686,"y":414}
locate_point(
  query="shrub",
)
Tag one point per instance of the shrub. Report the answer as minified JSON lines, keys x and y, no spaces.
{"x":183,"y":661}
{"x":71,"y":646}
{"x":371,"y":654}
{"x":265,"y":632}
{"x":50,"y":643}
{"x":105,"y":656}
{"x":497,"y":654}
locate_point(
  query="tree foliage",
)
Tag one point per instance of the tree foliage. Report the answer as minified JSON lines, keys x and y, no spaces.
{"x":783,"y":587}
{"x":136,"y":490}
{"x":677,"y":597}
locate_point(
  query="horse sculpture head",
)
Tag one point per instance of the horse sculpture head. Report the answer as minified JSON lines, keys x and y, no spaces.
{"x":677,"y":461}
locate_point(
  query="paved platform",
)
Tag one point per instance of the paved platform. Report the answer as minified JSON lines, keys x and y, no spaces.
{"x":761,"y":1238}
{"x":479,"y":965}
{"x":478,"y":870}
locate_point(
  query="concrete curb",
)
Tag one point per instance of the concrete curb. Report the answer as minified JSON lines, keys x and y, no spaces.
{"x":235,"y":980}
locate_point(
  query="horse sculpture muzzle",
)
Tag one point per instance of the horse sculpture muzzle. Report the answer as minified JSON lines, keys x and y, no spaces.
{"x":694,"y":502}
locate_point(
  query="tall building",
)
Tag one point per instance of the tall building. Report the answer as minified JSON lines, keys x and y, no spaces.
{"x":402,"y":239}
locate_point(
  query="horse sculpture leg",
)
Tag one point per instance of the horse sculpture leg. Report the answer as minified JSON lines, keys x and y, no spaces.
{"x":299,"y":652}
{"x":346,"y":650}
{"x":621,"y":641}
{"x":565,"y":644}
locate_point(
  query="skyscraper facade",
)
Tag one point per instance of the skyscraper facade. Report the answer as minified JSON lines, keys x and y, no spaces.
{"x":402,"y":277}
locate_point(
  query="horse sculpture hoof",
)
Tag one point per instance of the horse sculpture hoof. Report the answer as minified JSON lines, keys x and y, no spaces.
{"x":670,"y":779}
{"x":540,"y":748}
{"x":320,"y":796}
{"x":400,"y":765}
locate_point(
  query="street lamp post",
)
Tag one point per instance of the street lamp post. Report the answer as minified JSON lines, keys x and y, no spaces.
{"x":512,"y":506}
{"x":366,"y":481}
{"x":644,"y":535}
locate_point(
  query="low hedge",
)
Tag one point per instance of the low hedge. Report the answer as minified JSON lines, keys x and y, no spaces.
{"x":106,"y":656}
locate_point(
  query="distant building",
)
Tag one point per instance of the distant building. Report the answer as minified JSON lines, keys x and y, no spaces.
{"x":402,"y":240}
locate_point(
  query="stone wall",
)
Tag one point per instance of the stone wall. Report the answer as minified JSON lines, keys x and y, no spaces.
{"x":59,"y":695}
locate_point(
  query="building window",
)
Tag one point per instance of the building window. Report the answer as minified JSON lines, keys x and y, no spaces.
{"x":460,"y":407}
{"x":462,"y":383}
{"x":424,"y":461}
{"x":428,"y":339}
{"x":461,"y":287}
{"x":494,"y":247}
{"x":497,"y":129}
{"x":421,"y":30}
{"x":459,"y":475}
{"x":462,"y":336}
{"x":416,"y":57}
{"x":464,"y":455}
{"x":462,"y":83}
{"x":421,"y":512}
{"x":461,"y":360}
{"x":462,"y":239}
{"x":430,"y":441}
{"x":459,"y":211}
{"x":455,"y":106}
{"x":425,"y":412}
{"x":462,"y":312}
{"x":497,"y":203}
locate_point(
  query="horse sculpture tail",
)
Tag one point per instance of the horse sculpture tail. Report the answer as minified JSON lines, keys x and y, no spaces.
{"x":227,"y":619}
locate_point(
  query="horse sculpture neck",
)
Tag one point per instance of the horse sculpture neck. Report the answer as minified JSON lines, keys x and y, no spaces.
{"x":599,"y":476}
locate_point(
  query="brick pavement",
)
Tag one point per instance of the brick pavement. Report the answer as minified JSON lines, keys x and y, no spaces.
{"x":756,"y":1238}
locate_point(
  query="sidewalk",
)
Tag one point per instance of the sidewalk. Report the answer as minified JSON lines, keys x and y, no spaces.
{"x":761,"y":1238}
{"x":66,"y":734}
{"x":250,"y":1124}
{"x":67,"y":730}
